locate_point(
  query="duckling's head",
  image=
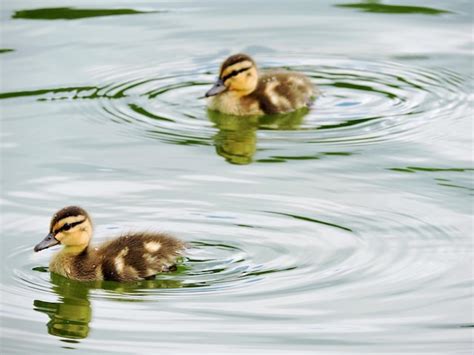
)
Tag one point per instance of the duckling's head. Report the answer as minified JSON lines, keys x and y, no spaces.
{"x":70,"y":226}
{"x":238,"y":74}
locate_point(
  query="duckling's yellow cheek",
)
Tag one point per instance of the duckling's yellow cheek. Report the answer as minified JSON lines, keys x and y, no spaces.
{"x":59,"y":236}
{"x":65,"y":238}
{"x":246,"y":81}
{"x":238,"y":83}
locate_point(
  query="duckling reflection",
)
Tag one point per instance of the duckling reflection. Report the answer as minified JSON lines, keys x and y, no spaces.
{"x":70,"y":317}
{"x":236,"y":140}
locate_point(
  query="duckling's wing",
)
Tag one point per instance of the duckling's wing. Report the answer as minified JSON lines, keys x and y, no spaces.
{"x":140,"y":255}
{"x":284,"y":91}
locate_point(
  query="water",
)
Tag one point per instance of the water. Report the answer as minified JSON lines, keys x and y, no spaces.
{"x":346,"y":229}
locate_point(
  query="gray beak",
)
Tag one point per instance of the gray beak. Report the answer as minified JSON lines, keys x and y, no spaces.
{"x":217,"y":88}
{"x":47,"y":242}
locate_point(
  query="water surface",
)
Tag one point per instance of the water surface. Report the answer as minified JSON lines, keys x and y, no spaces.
{"x":343,"y":229}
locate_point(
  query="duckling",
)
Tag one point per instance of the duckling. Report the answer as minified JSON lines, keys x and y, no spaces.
{"x":134,"y":256}
{"x":241,"y":90}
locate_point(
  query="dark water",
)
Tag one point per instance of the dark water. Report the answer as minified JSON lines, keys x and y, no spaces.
{"x":345,"y":229}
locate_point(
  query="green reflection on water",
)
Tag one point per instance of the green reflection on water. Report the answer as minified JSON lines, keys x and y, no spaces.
{"x":236,"y":140}
{"x":367,"y":88}
{"x":69,"y":13}
{"x":375,"y":6}
{"x":74,"y":90}
{"x":6,"y":50}
{"x":283,"y":159}
{"x":70,"y":317}
{"x":456,"y":186}
{"x":307,"y":219}
{"x":412,"y":169}
{"x":142,"y":111}
{"x":352,"y":122}
{"x":439,"y":181}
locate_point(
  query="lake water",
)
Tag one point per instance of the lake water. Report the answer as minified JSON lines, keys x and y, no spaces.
{"x":345,"y":230}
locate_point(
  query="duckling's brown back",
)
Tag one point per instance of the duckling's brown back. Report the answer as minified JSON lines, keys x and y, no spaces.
{"x":139,"y":256}
{"x":283,"y":91}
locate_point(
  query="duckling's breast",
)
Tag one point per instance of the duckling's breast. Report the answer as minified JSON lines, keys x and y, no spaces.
{"x":60,"y":264}
{"x":83,"y":266}
{"x":232,"y":103}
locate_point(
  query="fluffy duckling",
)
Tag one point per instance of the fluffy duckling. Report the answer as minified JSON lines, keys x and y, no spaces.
{"x":134,"y":256}
{"x":241,"y":90}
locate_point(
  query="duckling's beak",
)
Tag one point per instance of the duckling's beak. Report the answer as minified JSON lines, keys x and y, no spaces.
{"x":46,"y":243}
{"x":217,"y":88}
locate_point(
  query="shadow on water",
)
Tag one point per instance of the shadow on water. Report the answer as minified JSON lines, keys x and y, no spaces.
{"x":69,"y":318}
{"x":375,"y":6}
{"x":69,"y":13}
{"x":236,"y":140}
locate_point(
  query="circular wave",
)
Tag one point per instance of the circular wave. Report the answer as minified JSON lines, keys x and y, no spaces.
{"x":348,"y":264}
{"x":311,"y":254}
{"x":360,"y":102}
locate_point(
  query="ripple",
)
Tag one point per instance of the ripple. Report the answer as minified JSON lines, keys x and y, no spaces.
{"x":362,"y":102}
{"x":347,"y":263}
{"x":370,"y":246}
{"x":209,"y":266}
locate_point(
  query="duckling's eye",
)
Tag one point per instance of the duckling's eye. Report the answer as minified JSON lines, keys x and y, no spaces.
{"x":68,"y":226}
{"x":234,"y":73}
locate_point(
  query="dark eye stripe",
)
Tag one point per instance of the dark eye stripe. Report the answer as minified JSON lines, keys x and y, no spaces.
{"x":234,"y":73}
{"x":68,"y":226}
